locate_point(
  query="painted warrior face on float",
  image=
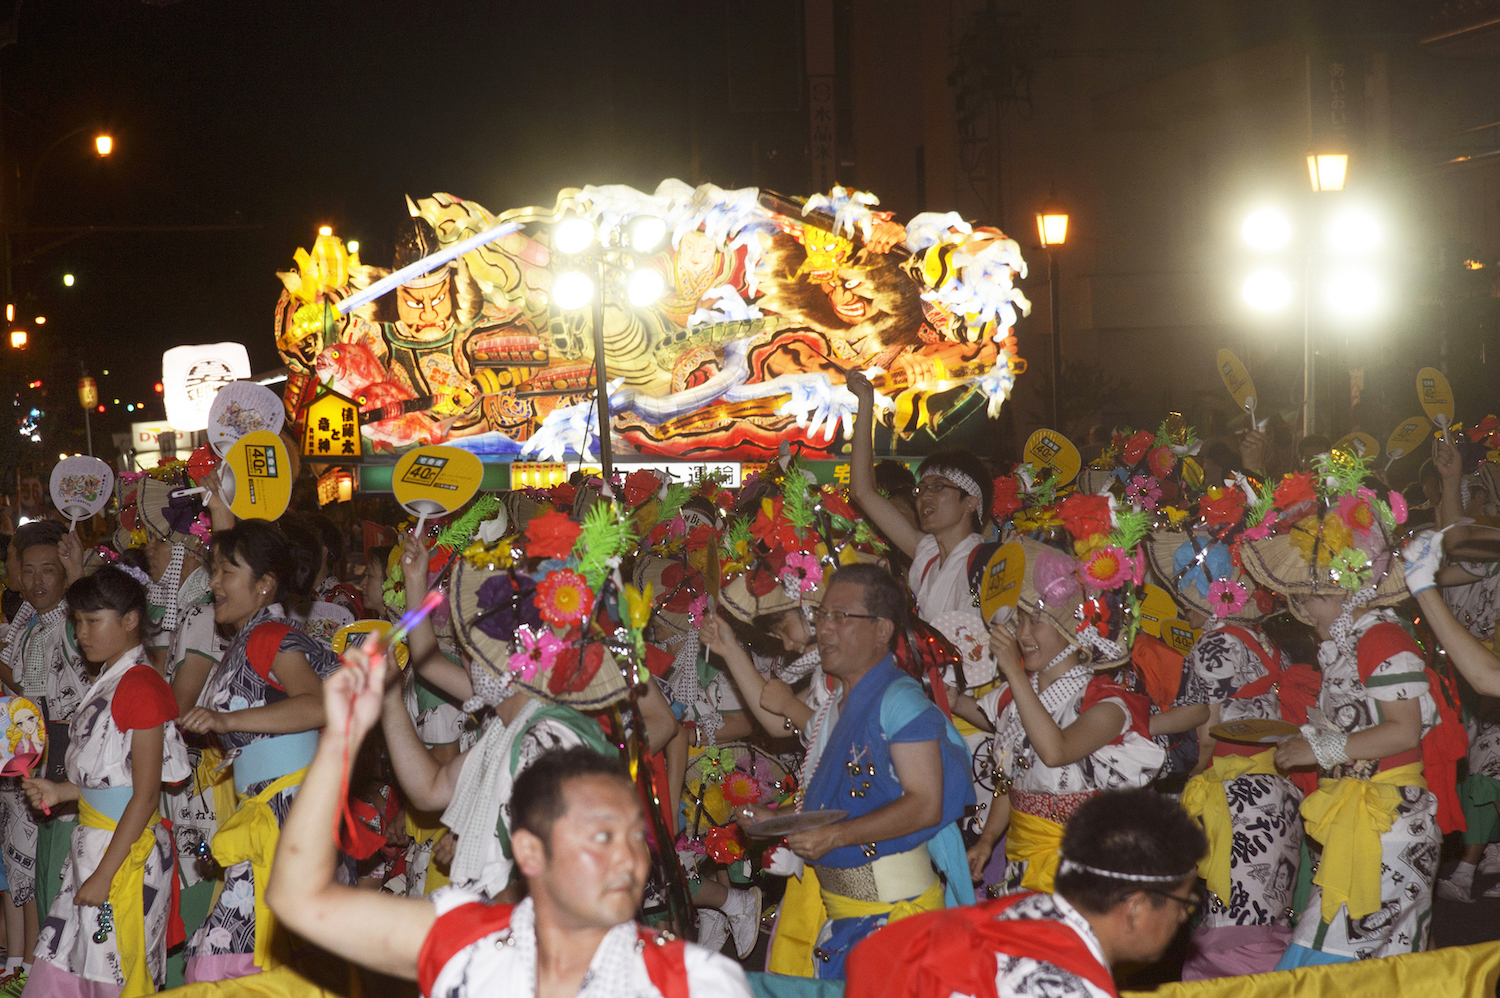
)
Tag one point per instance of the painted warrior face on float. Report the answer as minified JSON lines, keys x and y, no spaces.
{"x":426,"y":306}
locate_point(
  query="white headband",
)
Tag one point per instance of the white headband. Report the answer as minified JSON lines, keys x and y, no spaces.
{"x":963,"y":481}
{"x":1067,"y":865}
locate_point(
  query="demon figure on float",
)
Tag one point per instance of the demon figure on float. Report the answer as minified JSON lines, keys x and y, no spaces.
{"x":765,"y":304}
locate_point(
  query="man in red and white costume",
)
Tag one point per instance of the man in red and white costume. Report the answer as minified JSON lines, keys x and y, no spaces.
{"x":579,"y":840}
{"x":1125,"y":885}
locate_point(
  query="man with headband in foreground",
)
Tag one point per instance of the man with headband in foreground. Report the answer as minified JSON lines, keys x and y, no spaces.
{"x":1126,"y":884}
{"x":578,"y":836}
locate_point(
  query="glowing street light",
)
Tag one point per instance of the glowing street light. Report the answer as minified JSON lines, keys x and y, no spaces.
{"x":573,"y":235}
{"x":1267,"y":290}
{"x":645,"y":233}
{"x":1327,"y":170}
{"x":18,"y":339}
{"x":104,"y":144}
{"x":1266,"y":230}
{"x":572,"y":290}
{"x":1354,"y":231}
{"x":644,"y":287}
{"x":68,"y":280}
{"x":1352,"y":293}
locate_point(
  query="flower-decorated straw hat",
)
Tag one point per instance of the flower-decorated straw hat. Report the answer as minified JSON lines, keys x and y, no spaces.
{"x":1325,"y":533}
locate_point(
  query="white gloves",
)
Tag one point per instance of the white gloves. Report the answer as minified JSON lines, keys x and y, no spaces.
{"x":784,"y":863}
{"x":1421,"y":558}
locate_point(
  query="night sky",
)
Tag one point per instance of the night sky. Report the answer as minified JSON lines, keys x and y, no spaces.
{"x":287,"y":116}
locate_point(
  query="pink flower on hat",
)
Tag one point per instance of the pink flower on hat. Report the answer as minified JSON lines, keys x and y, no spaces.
{"x":810,"y":572}
{"x":539,"y":652}
{"x":1227,"y":596}
{"x":1106,"y":568}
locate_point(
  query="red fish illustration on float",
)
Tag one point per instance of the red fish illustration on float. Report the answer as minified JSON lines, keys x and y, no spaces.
{"x":352,"y":370}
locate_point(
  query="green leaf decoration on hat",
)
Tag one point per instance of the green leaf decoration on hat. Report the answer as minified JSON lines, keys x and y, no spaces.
{"x":678,"y":493}
{"x":798,"y":504}
{"x":1264,"y":500}
{"x":457,"y":534}
{"x":1044,"y":491}
{"x":735,"y":541}
{"x":1130,"y":526}
{"x":605,"y":538}
{"x":1339,"y":473}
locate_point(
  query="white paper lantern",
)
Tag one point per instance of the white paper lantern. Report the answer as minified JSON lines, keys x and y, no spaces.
{"x":192,"y":375}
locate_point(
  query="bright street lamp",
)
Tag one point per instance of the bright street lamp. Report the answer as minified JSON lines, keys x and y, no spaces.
{"x":644,"y":287}
{"x":1052,"y":229}
{"x":1327,"y":170}
{"x":1354,"y":231}
{"x":573,"y":235}
{"x":18,"y":339}
{"x":572,"y":290}
{"x":1267,"y":290}
{"x":1266,"y":229}
{"x":1352,"y":293}
{"x":104,"y":144}
{"x":68,"y":280}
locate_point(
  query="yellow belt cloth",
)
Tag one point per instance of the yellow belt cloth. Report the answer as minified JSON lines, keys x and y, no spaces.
{"x":251,"y":834}
{"x":806,"y":906}
{"x":212,"y":773}
{"x":1037,"y":843}
{"x":127,"y":901}
{"x":802,"y":915}
{"x":423,"y":833}
{"x":1204,"y":798}
{"x":1348,"y":816}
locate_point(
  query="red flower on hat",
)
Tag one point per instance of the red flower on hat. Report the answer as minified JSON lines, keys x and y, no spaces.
{"x":726,"y":844}
{"x":1295,"y":488}
{"x":1487,"y":426}
{"x":1161,"y":461}
{"x":773,"y":529}
{"x":833,"y":501}
{"x":563,"y":494}
{"x":681,"y":585}
{"x":701,"y":536}
{"x":640,"y":486}
{"x":572,"y":672}
{"x":1136,"y":447}
{"x":564,"y":598}
{"x":551,"y":535}
{"x":1085,"y":515}
{"x":1007,"y":497}
{"x":1222,"y":506}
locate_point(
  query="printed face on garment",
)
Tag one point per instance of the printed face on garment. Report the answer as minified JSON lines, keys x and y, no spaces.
{"x":238,"y":592}
{"x":593,"y":870}
{"x":43,"y":580}
{"x":941,"y":505}
{"x":426,"y":312}
{"x":1040,"y":642}
{"x":850,"y":641}
{"x":104,"y":635}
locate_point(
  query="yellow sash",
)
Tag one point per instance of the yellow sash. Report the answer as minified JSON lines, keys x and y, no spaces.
{"x":1348,"y":816}
{"x":127,"y":901}
{"x":1036,"y":842}
{"x":806,"y":906}
{"x":1204,"y":798}
{"x":221,"y":780}
{"x":425,"y":833}
{"x":802,"y":915}
{"x":251,"y":833}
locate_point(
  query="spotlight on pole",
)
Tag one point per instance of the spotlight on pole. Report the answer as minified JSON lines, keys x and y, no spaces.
{"x":1354,"y":231}
{"x":573,"y":235}
{"x":644,"y":287}
{"x":1352,"y":293}
{"x":646,"y":233}
{"x":1267,"y":290}
{"x":572,"y":290}
{"x":1266,"y":230}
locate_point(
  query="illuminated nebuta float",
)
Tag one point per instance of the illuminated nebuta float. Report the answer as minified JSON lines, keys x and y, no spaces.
{"x":764,"y":303}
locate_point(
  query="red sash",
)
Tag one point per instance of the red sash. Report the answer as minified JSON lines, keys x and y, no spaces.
{"x":1444,"y":745}
{"x":940,"y":952}
{"x":469,"y":923}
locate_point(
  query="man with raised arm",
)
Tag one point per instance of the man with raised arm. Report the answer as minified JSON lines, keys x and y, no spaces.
{"x":579,"y":840}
